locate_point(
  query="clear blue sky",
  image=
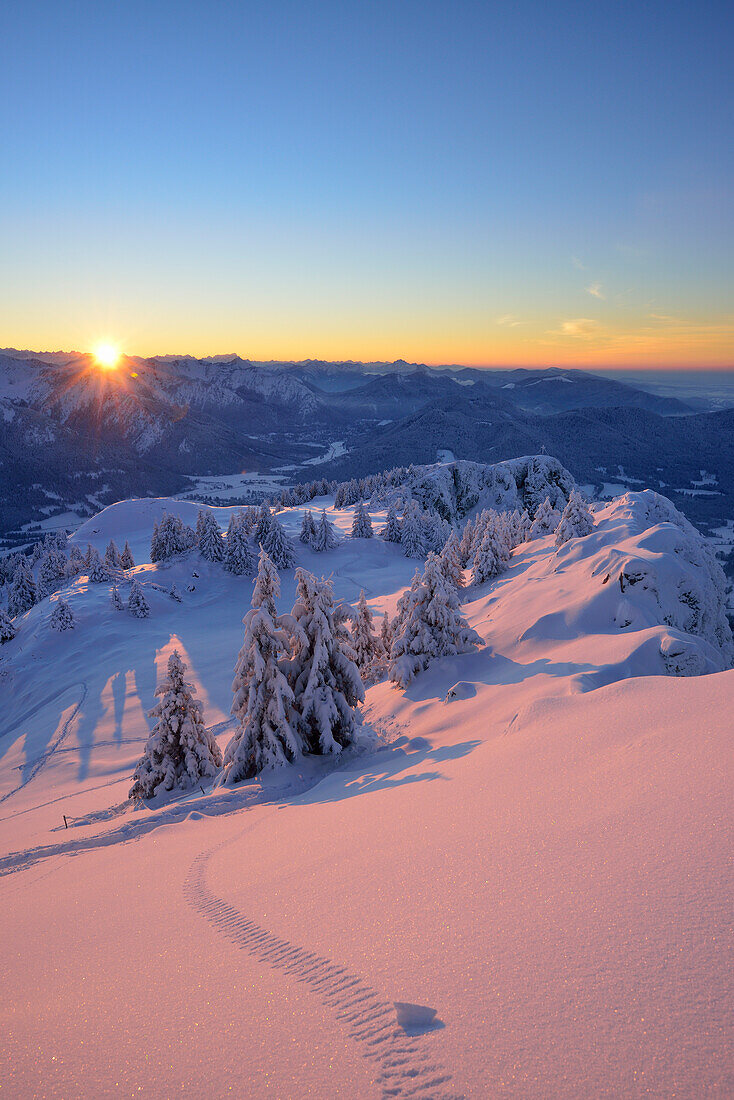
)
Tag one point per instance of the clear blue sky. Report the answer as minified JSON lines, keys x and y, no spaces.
{"x":463,"y":182}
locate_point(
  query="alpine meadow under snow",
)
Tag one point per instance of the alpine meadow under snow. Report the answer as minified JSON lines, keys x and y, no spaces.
{"x":415,"y":784}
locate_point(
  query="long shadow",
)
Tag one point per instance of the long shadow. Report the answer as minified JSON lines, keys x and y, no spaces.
{"x":486,"y":668}
{"x":119,"y":682}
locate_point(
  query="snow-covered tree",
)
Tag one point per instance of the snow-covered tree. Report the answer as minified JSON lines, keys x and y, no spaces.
{"x":308,"y":528}
{"x":430,"y":624}
{"x":267,"y":585}
{"x":117,"y":600}
{"x":524,"y":524}
{"x":467,"y":541}
{"x":368,"y":648}
{"x":89,"y":555}
{"x":76,"y":563}
{"x":278,"y":546}
{"x":50,"y":572}
{"x":23,"y":592}
{"x":325,"y":537}
{"x":546,"y":520}
{"x":412,"y":536}
{"x":262,"y":699}
{"x":7,"y":627}
{"x":576,"y":520}
{"x":180,"y":750}
{"x":487,"y":562}
{"x":361,"y":524}
{"x":211,"y":543}
{"x":386,"y":633}
{"x":262,"y":523}
{"x":238,"y":558}
{"x":325,"y":682}
{"x":137,"y":604}
{"x":112,"y":555}
{"x":126,"y":557}
{"x":170,"y":537}
{"x":175,"y":594}
{"x":451,"y":560}
{"x":391,"y":531}
{"x":62,"y":617}
{"x":199,"y":524}
{"x":99,"y":571}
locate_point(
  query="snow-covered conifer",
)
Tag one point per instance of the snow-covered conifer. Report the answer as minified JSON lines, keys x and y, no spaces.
{"x":126,"y":557}
{"x":238,"y":557}
{"x":430,"y":625}
{"x":76,"y":563}
{"x":367,"y":646}
{"x":23,"y":592}
{"x":117,"y":600}
{"x":391,"y":531}
{"x":467,"y":542}
{"x":546,"y":520}
{"x":576,"y":521}
{"x":451,"y":560}
{"x":487,"y":562}
{"x":262,"y":698}
{"x":325,"y":537}
{"x":112,"y":555}
{"x":524,"y":524}
{"x":180,"y":750}
{"x":262,"y":523}
{"x":278,"y":546}
{"x":267,"y":585}
{"x":386,"y":633}
{"x":175,"y":594}
{"x":99,"y":571}
{"x":137,"y":604}
{"x":308,"y":528}
{"x":50,"y":572}
{"x":62,"y":617}
{"x":412,"y":537}
{"x":7,"y":627}
{"x":326,"y":684}
{"x":170,"y":537}
{"x":362,"y":524}
{"x":211,"y":543}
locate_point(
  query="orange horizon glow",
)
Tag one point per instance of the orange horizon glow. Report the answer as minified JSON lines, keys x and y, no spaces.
{"x":106,"y":356}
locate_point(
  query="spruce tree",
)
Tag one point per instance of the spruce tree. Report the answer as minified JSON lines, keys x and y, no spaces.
{"x":262,"y":523}
{"x":262,"y":698}
{"x":430,"y":625}
{"x":23,"y":592}
{"x":308,"y":528}
{"x":546,"y":520}
{"x":211,"y":543}
{"x":50,"y":573}
{"x":238,"y":556}
{"x":62,"y":617}
{"x":451,"y":560}
{"x":99,"y":571}
{"x":278,"y":547}
{"x":325,"y":538}
{"x":117,"y":600}
{"x":325,"y":683}
{"x":180,"y":750}
{"x":487,"y":562}
{"x":112,"y":555}
{"x":361,"y":524}
{"x":137,"y":604}
{"x":126,"y":557}
{"x":391,"y":531}
{"x":76,"y":563}
{"x":386,"y":633}
{"x":412,"y":537}
{"x":576,"y":521}
{"x":7,"y":627}
{"x":367,"y":646}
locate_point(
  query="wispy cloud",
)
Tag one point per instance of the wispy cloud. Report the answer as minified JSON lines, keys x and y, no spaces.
{"x":664,"y":317}
{"x":577,"y":263}
{"x":581,"y":328}
{"x":509,"y":320}
{"x":596,"y":291}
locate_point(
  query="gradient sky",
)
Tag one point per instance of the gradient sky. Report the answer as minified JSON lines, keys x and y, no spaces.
{"x":442,"y":182}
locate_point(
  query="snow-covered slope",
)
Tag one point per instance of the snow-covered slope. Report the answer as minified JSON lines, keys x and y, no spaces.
{"x":522,"y":891}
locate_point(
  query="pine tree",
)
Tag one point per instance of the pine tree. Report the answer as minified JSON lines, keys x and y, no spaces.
{"x":412,"y":538}
{"x":62,"y":617}
{"x":262,"y":698}
{"x":267,"y":586}
{"x":76,"y":563}
{"x":23,"y":592}
{"x":308,"y":528}
{"x":278,"y":546}
{"x":386,"y":633}
{"x":325,"y":537}
{"x":467,"y":541}
{"x":362,"y":524}
{"x":430,"y":625}
{"x":391,"y":531}
{"x":325,"y":683}
{"x":170,"y":537}
{"x":175,"y":594}
{"x":545,"y":522}
{"x":451,"y":560}
{"x":112,"y":555}
{"x":576,"y":521}
{"x":126,"y":557}
{"x":487,"y":562}
{"x":50,"y":573}
{"x":238,"y":557}
{"x":198,"y":530}
{"x":137,"y":604}
{"x":99,"y":571}
{"x":89,"y":555}
{"x":524,"y":524}
{"x":369,"y":651}
{"x":180,"y":750}
{"x":7,"y":627}
{"x":262,"y":523}
{"x":117,"y":600}
{"x":211,"y":543}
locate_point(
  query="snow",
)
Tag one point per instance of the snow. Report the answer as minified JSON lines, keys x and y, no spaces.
{"x":524,"y":892}
{"x":335,"y":450}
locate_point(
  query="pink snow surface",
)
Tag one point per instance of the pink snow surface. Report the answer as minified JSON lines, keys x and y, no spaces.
{"x":523,"y":892}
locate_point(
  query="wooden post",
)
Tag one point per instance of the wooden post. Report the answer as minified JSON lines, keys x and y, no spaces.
{"x":66,"y":823}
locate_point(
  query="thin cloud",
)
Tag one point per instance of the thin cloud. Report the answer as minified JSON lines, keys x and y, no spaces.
{"x":596,"y":291}
{"x":509,"y":320}
{"x":577,"y":263}
{"x":581,"y":328}
{"x":664,"y":317}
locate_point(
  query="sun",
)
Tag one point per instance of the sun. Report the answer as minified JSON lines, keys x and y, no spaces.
{"x":107,"y":356}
